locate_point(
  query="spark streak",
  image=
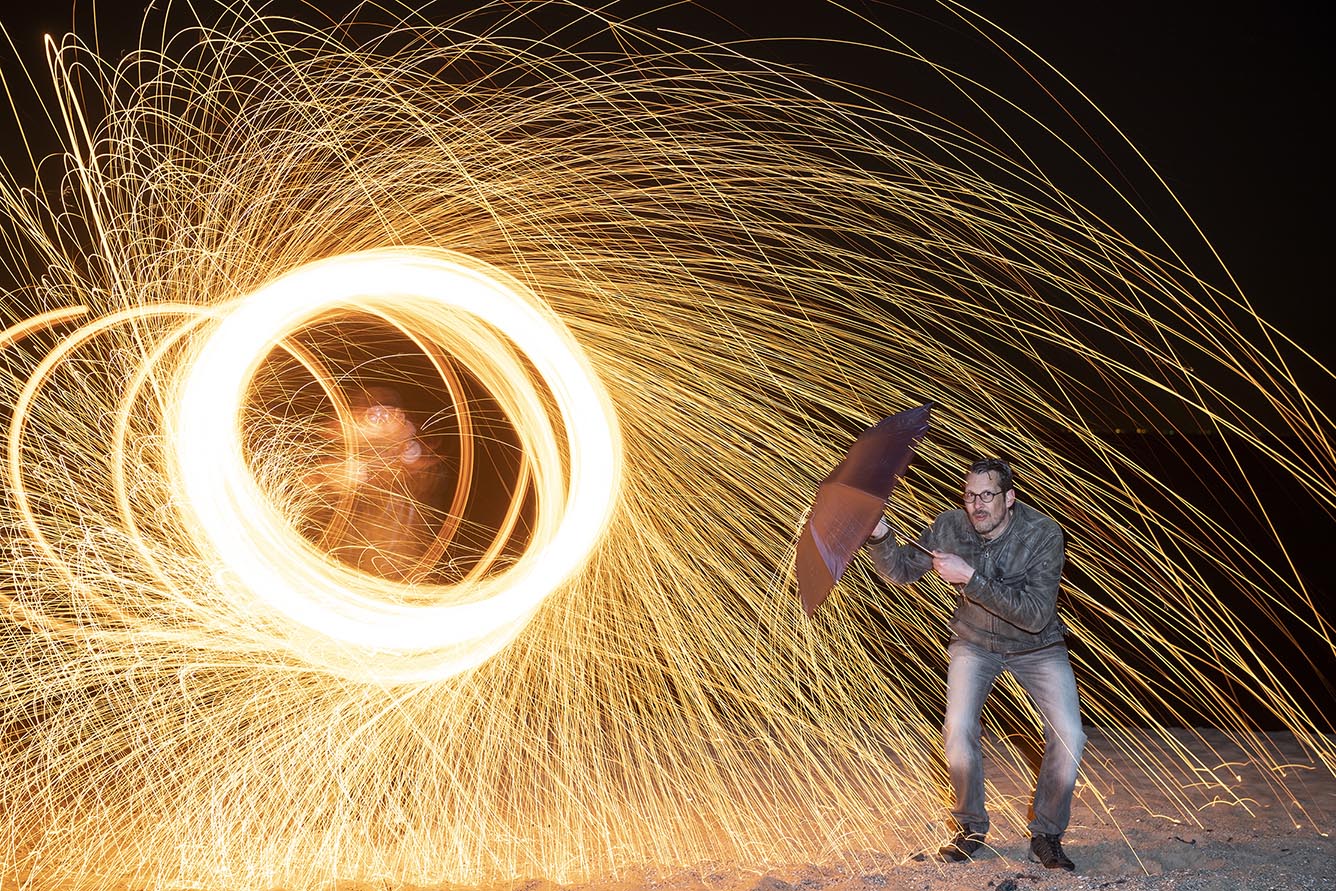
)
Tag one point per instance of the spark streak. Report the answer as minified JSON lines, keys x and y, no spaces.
{"x":636,"y":295}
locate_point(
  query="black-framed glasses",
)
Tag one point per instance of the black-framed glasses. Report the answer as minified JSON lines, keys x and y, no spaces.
{"x":985,"y":497}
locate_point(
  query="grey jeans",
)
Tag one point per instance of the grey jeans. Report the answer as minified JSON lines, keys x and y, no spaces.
{"x":1046,"y":675}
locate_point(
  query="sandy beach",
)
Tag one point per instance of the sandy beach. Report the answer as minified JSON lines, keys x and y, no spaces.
{"x":1124,"y":836}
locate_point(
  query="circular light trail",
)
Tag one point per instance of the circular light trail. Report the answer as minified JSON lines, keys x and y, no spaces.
{"x":445,"y":299}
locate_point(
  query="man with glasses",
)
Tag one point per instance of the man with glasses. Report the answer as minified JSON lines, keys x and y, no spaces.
{"x":1004,"y":559}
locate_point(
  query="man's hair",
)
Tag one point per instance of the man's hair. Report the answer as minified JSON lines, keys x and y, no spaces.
{"x":997,"y":466}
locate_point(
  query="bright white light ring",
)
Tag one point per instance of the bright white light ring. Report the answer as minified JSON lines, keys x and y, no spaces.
{"x":237,"y":518}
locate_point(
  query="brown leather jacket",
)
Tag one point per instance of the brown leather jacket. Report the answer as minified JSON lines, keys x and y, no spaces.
{"x":1010,"y":605}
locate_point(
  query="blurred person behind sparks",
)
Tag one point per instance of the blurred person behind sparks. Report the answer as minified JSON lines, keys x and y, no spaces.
{"x":384,"y":477}
{"x":1004,"y":559}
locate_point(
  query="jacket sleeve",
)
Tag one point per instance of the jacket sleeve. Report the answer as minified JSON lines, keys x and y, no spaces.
{"x":900,"y":564}
{"x":1027,"y":594}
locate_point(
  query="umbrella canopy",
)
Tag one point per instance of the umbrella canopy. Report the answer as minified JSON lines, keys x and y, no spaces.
{"x":851,"y":499}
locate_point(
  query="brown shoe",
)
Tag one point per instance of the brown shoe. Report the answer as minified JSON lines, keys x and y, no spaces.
{"x":963,"y":847}
{"x":1047,"y":849}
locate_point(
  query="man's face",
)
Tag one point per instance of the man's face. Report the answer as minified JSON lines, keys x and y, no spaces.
{"x":989,"y":519}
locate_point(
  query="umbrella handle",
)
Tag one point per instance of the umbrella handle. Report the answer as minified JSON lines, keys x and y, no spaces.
{"x":918,"y":547}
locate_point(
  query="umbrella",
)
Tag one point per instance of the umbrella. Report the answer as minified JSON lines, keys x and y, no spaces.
{"x":851,"y":499}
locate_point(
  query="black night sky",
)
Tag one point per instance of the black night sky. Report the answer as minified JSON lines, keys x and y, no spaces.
{"x":1228,"y":108}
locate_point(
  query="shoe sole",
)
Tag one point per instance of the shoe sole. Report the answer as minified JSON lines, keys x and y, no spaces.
{"x":960,"y":856}
{"x":1033,"y":859}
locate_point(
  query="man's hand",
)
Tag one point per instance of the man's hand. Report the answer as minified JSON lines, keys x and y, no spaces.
{"x":879,"y":534}
{"x":952,"y":568}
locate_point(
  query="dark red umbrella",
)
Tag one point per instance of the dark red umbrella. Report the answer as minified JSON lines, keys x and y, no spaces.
{"x":851,"y":499}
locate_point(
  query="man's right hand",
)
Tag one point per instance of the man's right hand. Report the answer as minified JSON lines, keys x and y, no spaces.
{"x":879,"y":534}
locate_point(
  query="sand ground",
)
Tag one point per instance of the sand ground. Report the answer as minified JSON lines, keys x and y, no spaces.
{"x":1127,"y":834}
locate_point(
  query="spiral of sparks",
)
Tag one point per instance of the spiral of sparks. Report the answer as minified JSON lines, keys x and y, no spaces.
{"x":641,"y":293}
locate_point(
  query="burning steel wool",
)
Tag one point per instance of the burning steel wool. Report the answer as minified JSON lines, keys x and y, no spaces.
{"x":408,"y":427}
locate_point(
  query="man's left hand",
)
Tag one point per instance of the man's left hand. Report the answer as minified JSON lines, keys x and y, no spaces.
{"x":952,"y":568}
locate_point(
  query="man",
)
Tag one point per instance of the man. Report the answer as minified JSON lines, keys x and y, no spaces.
{"x":1005,"y":560}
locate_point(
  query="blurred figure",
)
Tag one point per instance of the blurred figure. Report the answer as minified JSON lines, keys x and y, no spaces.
{"x":377,"y":487}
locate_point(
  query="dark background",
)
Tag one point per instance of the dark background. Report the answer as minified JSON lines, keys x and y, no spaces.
{"x":1229,"y":109}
